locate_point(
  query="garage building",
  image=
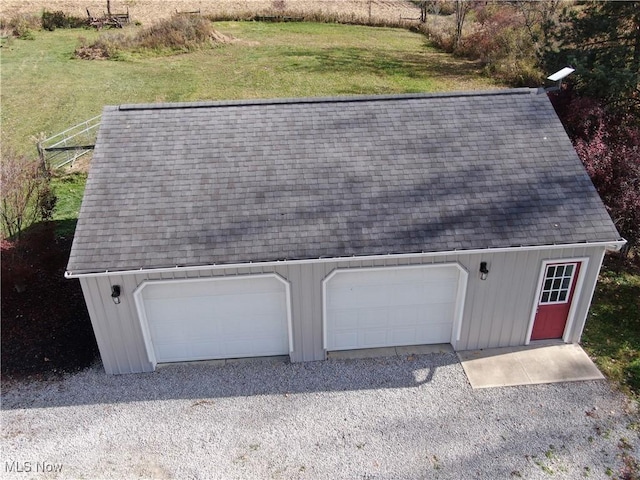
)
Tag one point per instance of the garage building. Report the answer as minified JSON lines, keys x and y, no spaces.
{"x":299,"y":227}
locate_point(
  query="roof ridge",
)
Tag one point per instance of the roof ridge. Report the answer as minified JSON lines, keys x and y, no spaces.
{"x":308,"y":100}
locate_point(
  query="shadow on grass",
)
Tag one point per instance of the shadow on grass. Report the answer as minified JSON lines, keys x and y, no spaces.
{"x":45,"y":231}
{"x":357,"y":60}
{"x":65,"y":228}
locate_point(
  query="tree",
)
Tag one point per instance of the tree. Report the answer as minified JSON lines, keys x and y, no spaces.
{"x":423,"y":10}
{"x":25,"y":196}
{"x":462,"y":8}
{"x":602,"y":42}
{"x":428,"y":6}
{"x":540,"y":18}
{"x":608,"y":143}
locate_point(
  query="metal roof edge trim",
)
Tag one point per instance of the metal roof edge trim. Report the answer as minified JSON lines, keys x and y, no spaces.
{"x":610,"y":245}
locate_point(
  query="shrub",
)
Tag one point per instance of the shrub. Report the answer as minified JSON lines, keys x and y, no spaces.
{"x":180,"y":33}
{"x":26,"y":196}
{"x":58,"y":19}
{"x":501,"y":42}
{"x":22,"y":26}
{"x":495,"y":34}
{"x":445,"y":7}
{"x":46,"y":201}
{"x":53,"y":20}
{"x":440,"y":31}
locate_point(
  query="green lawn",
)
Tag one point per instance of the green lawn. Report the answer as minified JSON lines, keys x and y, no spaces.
{"x":44,"y":89}
{"x":69,"y":189}
{"x":612,"y":333}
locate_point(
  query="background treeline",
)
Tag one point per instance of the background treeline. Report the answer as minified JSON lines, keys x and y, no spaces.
{"x":522,"y":42}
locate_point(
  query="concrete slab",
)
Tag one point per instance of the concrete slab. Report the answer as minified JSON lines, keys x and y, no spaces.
{"x":533,"y":364}
{"x":424,"y":349}
{"x":213,"y":363}
{"x":270,"y":360}
{"x":389,"y":351}
{"x":361,"y":353}
{"x":221,"y":362}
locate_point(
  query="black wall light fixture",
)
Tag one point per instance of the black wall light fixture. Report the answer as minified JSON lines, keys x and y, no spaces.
{"x":484,"y":271}
{"x":115,"y":294}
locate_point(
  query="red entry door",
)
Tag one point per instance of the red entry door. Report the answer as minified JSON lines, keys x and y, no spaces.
{"x":557,"y":290}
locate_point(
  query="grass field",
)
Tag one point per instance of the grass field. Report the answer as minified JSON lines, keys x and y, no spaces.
{"x":44,"y":89}
{"x":148,"y":11}
{"x":69,"y":189}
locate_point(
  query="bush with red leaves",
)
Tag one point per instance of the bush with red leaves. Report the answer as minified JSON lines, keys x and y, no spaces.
{"x":608,"y":144}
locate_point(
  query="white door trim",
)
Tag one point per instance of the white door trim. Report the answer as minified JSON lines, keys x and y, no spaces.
{"x":144,"y":322}
{"x":584,"y":263}
{"x":461,"y":292}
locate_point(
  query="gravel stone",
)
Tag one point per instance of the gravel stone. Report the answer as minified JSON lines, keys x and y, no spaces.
{"x":386,"y":418}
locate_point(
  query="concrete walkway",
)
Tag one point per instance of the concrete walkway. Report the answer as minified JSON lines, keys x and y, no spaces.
{"x":543,"y":362}
{"x":501,"y":367}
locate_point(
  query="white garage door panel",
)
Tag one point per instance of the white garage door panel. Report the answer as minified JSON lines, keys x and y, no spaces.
{"x":390,"y":306}
{"x":202,"y":288}
{"x":216,"y":318}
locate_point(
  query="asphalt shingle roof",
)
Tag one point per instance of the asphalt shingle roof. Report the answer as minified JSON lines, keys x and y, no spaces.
{"x":233,"y":182}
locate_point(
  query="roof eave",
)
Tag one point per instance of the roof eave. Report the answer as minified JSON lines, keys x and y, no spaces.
{"x":613,"y":246}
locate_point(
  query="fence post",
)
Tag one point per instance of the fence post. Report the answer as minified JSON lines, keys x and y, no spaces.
{"x":46,"y":170}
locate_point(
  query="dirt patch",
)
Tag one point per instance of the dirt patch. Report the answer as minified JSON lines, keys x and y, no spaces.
{"x":46,"y":329}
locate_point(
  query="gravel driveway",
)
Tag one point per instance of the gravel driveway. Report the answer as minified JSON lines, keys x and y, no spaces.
{"x":399,"y":417}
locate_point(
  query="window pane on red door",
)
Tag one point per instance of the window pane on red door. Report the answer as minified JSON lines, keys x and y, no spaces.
{"x":557,"y":283}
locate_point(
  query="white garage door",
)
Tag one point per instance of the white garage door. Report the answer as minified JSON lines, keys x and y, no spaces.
{"x":367,"y":308}
{"x":216,"y":318}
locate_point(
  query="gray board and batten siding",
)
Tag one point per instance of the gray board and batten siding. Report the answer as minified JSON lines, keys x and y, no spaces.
{"x":303,"y":188}
{"x":496,"y":311}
